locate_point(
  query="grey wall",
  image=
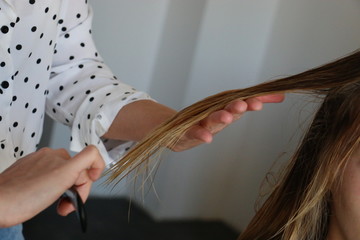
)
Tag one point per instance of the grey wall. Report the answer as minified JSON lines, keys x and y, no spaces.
{"x":183,"y":50}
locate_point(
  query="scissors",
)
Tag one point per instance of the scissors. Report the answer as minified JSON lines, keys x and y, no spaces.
{"x":74,"y":197}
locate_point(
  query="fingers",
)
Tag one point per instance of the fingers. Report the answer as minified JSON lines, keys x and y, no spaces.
{"x":217,"y":121}
{"x":83,"y":187}
{"x":90,"y":159}
{"x":199,"y":133}
{"x":65,"y":207}
{"x":274,"y":98}
{"x":254,"y":104}
{"x":90,"y":165}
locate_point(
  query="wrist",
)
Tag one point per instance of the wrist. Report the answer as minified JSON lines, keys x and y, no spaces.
{"x":135,"y":120}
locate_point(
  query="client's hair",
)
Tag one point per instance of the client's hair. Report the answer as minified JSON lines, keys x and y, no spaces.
{"x":298,"y":206}
{"x":321,"y":80}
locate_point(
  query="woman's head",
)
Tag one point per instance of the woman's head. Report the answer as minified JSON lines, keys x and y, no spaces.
{"x":300,"y":205}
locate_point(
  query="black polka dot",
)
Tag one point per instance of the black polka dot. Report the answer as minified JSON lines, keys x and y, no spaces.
{"x":78,"y":15}
{"x":92,"y":77}
{"x":88,"y":92}
{"x":33,"y":134}
{"x":4,"y":29}
{"x":15,"y":124}
{"x":91,"y":99}
{"x":67,"y":35}
{"x":18,"y":47}
{"x":61,"y":88}
{"x":5,"y":84}
{"x":16,"y":149}
{"x":31,"y":1}
{"x":38,"y":61}
{"x":34,"y":110}
{"x":2,"y":64}
{"x":2,"y":146}
{"x":33,"y":29}
{"x":46,"y":10}
{"x":82,"y":44}
{"x":26,"y":80}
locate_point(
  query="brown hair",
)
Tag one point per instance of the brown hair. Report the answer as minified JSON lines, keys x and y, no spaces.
{"x":320,"y":80}
{"x":299,"y":206}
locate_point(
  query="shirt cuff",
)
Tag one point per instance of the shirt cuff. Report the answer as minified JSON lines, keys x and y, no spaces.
{"x":93,"y":120}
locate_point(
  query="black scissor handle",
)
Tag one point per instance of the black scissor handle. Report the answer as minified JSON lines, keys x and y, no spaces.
{"x":77,"y":202}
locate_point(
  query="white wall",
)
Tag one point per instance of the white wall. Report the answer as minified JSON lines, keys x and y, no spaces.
{"x":183,"y":50}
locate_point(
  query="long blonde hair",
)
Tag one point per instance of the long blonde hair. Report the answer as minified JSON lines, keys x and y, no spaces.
{"x":297,"y":206}
{"x":318,"y":80}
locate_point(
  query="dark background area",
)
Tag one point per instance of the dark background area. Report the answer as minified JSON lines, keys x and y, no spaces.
{"x":116,"y":218}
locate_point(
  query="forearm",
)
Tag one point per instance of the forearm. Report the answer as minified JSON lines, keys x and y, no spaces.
{"x":137,"y":119}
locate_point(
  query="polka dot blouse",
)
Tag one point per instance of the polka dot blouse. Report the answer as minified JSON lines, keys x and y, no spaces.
{"x":49,"y":63}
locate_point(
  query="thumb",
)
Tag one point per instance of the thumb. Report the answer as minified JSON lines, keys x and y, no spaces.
{"x":90,"y":159}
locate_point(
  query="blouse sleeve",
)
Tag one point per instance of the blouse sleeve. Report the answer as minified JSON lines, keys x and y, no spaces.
{"x":83,"y":92}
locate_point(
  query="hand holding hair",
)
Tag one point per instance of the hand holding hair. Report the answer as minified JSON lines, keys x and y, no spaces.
{"x":320,"y":80}
{"x":204,"y":131}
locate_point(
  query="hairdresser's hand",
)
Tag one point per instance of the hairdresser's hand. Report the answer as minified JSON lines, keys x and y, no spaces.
{"x":37,"y":180}
{"x":215,"y":122}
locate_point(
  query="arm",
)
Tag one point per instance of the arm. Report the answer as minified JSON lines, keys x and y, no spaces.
{"x":137,"y":119}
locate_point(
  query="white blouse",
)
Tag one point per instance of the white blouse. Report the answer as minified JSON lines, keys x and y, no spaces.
{"x":49,"y":63}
